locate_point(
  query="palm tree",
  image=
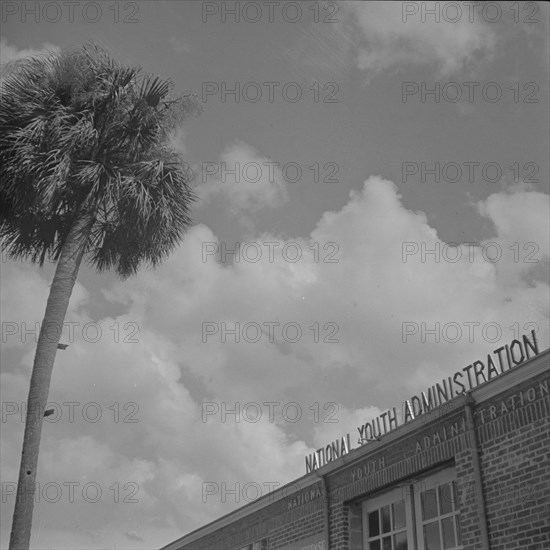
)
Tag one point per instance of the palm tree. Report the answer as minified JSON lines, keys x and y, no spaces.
{"x":87,"y":172}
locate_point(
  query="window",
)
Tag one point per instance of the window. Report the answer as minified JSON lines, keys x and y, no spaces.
{"x":387,"y":521}
{"x":421,"y":514}
{"x":439,"y":519}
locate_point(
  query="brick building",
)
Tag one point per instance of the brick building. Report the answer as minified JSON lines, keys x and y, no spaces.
{"x":470,"y":473}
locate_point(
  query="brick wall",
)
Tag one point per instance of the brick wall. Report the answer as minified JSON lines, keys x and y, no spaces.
{"x":283,"y":523}
{"x":515,"y":461}
{"x":469,"y":515}
{"x":514,"y":454}
{"x":291,"y":533}
{"x":513,"y":436}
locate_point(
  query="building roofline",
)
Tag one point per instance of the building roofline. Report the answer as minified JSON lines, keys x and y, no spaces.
{"x":281,"y":493}
{"x":528,"y":369}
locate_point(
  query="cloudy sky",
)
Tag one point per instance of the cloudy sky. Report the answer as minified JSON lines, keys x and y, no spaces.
{"x":359,"y":137}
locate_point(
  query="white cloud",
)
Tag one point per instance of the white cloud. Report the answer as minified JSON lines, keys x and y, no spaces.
{"x":258,"y":182}
{"x":10,"y":53}
{"x":170,"y":453}
{"x":523,"y":232}
{"x":393,"y":36}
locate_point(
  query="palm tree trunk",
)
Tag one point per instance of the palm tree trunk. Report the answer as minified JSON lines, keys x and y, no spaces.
{"x":50,"y":332}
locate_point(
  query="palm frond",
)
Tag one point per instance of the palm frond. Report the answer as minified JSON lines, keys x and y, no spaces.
{"x":81,"y":133}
